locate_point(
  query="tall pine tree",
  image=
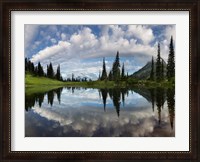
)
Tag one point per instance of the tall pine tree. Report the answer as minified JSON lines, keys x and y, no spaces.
{"x":162,"y":70}
{"x":110,"y":76}
{"x":51,"y":72}
{"x":26,"y":64}
{"x":171,"y":61}
{"x":152,"y":69}
{"x":116,"y":69}
{"x":48,"y":71}
{"x":99,"y":75}
{"x":158,"y":65}
{"x":73,"y":79}
{"x":58,"y":75}
{"x":104,"y":73}
{"x":40,"y":70}
{"x":123,"y":72}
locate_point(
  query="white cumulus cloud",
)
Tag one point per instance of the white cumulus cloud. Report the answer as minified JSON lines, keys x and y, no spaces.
{"x":141,"y":32}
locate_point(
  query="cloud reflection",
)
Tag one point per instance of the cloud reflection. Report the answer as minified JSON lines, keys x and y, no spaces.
{"x":82,"y":114}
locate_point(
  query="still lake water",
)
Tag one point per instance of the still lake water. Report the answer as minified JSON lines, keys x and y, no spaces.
{"x":87,"y":112}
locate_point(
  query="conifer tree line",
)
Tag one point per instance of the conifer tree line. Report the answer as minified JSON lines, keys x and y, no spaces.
{"x":157,"y":69}
{"x":39,"y":71}
{"x":157,"y":72}
{"x":116,"y":74}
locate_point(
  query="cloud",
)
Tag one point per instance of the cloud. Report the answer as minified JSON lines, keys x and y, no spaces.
{"x":31,"y":32}
{"x":141,"y":32}
{"x":168,"y":32}
{"x":63,"y":36}
{"x":54,"y":41}
{"x":84,"y":39}
{"x":51,"y":51}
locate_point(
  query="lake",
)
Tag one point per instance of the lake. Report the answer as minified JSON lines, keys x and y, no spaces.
{"x":88,"y":112}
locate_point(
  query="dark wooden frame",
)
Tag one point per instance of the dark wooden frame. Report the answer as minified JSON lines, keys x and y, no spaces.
{"x":6,"y":6}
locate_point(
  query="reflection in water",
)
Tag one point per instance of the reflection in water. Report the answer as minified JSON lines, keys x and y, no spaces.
{"x":84,"y":103}
{"x":32,"y":98}
{"x":171,"y":105}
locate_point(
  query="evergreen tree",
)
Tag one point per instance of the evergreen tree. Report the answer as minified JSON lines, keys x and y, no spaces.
{"x":99,"y":75}
{"x":61,"y":78}
{"x":40,"y":71}
{"x":116,"y":69}
{"x":123,"y":73}
{"x":152,"y":69}
{"x":104,"y":73}
{"x":171,"y":61}
{"x":26,"y":64}
{"x":158,"y":65}
{"x":110,"y":77}
{"x":30,"y":67}
{"x":162,"y":69}
{"x":48,"y":71}
{"x":58,"y":75}
{"x":35,"y":70}
{"x":51,"y":72}
{"x":73,"y":77}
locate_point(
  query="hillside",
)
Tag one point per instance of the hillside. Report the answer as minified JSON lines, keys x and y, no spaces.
{"x":144,"y":72}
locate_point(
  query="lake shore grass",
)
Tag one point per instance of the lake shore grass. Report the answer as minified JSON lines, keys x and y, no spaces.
{"x":43,"y":83}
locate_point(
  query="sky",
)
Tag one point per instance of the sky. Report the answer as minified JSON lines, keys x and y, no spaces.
{"x":80,"y":49}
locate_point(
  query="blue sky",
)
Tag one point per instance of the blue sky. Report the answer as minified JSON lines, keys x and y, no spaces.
{"x":79,"y":49}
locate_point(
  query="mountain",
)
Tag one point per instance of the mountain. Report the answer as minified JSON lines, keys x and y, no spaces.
{"x":144,"y":72}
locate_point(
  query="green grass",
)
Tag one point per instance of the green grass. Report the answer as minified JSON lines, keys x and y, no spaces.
{"x":150,"y":84}
{"x":33,"y":80}
{"x":36,"y":84}
{"x":40,"y":83}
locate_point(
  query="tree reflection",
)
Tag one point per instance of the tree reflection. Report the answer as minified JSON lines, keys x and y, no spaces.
{"x":171,"y":105}
{"x":159,"y":101}
{"x":58,"y":92}
{"x":50,"y":97}
{"x":116,"y":95}
{"x":152,"y":93}
{"x":116,"y":100}
{"x":38,"y":98}
{"x":104,"y":94}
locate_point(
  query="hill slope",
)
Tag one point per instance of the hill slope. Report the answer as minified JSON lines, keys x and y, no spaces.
{"x":144,"y":72}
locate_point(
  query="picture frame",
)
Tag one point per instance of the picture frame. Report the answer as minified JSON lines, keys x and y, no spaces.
{"x":128,"y":5}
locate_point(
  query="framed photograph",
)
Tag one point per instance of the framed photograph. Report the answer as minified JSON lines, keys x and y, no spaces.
{"x":100,"y":80}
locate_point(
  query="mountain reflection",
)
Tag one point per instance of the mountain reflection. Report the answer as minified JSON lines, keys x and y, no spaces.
{"x":156,"y":96}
